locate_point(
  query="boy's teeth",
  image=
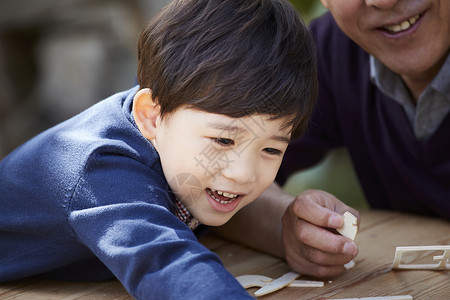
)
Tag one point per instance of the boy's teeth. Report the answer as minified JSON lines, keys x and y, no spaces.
{"x":225,"y":194}
{"x":229,"y":195}
{"x":402,"y":26}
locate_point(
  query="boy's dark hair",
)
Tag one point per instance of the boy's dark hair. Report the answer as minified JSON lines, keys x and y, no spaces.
{"x":231,"y":57}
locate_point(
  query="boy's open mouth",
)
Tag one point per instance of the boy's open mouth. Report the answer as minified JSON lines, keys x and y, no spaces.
{"x":221,"y":197}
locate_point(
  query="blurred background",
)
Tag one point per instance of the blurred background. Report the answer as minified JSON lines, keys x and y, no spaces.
{"x":58,"y":57}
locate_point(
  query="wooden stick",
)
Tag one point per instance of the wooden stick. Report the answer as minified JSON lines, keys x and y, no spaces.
{"x":306,"y":283}
{"x":401,"y":297}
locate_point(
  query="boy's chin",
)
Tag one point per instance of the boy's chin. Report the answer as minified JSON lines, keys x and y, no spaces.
{"x":214,"y":221}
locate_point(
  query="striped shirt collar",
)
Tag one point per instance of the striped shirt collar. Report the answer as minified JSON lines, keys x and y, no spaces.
{"x":184,"y":215}
{"x":433,"y":104}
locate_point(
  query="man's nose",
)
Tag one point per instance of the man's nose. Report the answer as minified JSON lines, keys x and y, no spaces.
{"x":383,"y":4}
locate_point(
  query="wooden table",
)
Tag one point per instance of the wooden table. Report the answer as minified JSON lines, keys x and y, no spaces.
{"x":379,"y":234}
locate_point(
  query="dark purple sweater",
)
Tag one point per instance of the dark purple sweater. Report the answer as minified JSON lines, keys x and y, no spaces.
{"x":396,"y":171}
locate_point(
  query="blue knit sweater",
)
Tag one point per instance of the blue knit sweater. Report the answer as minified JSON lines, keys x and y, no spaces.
{"x":87,"y":200}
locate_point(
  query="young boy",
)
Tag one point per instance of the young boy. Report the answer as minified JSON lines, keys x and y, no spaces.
{"x":118,"y":189}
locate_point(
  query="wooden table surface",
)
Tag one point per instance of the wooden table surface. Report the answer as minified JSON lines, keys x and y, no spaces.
{"x":379,"y":234}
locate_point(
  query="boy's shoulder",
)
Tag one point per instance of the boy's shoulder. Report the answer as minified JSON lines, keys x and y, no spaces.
{"x":104,"y":129}
{"x":99,"y":151}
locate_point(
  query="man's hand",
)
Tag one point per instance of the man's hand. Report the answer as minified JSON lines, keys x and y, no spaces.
{"x":311,"y":244}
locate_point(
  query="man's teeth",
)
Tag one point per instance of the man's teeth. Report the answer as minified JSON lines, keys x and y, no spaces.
{"x":404,"y":25}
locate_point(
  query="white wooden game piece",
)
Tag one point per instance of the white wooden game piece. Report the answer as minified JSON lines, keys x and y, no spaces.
{"x":350,"y":227}
{"x":443,"y":260}
{"x":268,"y":285}
{"x":401,"y":297}
{"x":277,"y":284}
{"x":349,"y":265}
{"x":248,"y":281}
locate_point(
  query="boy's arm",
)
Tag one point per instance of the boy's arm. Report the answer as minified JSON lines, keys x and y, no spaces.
{"x":120,"y":211}
{"x":297,"y":230}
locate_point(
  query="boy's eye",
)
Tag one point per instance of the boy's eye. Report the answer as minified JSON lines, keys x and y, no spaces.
{"x":224,"y":141}
{"x":273,"y":151}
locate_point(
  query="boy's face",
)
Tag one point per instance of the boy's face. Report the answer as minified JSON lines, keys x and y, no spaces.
{"x":411,"y":37}
{"x":216,"y":164}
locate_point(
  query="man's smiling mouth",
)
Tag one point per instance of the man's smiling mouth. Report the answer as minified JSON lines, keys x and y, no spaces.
{"x":405,"y":25}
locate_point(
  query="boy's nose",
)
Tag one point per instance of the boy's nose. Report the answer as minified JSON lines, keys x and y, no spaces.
{"x":383,"y":4}
{"x":241,"y":169}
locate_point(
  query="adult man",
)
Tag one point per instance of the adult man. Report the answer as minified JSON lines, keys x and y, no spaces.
{"x":385,"y":95}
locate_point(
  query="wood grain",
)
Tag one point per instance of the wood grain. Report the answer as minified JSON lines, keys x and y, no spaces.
{"x":379,"y":234}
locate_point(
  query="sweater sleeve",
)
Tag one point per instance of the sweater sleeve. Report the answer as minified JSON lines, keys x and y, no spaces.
{"x":120,"y":212}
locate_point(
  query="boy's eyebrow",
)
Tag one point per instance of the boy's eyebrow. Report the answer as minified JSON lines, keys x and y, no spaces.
{"x":225,"y":127}
{"x":280,"y":138}
{"x":237,"y":129}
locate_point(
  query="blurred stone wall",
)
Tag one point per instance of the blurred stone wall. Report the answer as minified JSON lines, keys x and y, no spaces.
{"x":58,"y":57}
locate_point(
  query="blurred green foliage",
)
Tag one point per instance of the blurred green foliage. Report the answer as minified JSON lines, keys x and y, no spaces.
{"x":309,"y":9}
{"x":335,"y":174}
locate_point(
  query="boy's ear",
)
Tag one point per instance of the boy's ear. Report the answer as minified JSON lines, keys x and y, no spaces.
{"x":146,"y":113}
